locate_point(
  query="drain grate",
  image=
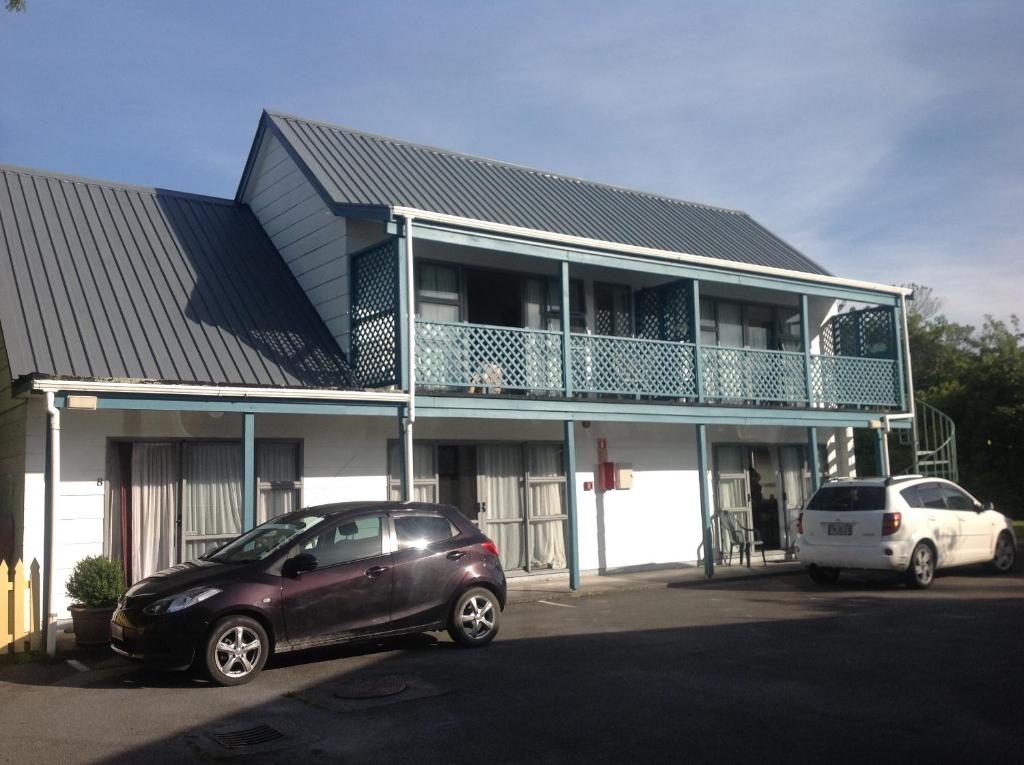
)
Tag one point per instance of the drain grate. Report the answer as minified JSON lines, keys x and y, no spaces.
{"x":246,"y":737}
{"x":371,"y":687}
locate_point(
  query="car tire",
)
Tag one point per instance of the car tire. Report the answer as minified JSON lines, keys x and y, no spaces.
{"x":475,"y":618}
{"x":1006,"y":554}
{"x":823,"y":574}
{"x":236,"y":650}
{"x":921,"y":571}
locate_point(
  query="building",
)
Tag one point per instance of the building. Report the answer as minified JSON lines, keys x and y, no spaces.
{"x":370,"y":317}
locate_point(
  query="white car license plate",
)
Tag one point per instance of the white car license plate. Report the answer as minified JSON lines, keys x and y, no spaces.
{"x":840,"y":529}
{"x":116,"y":631}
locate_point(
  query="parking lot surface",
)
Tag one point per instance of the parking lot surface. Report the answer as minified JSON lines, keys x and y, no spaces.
{"x":765,"y":670}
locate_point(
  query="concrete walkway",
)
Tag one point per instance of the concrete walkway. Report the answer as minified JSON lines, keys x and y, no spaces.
{"x":527,"y":589}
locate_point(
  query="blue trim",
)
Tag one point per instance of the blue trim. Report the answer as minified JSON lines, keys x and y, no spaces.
{"x":249,"y":471}
{"x":566,"y":330}
{"x":497,"y":407}
{"x":897,"y":344}
{"x":231,"y":405}
{"x":879,"y":449}
{"x":570,"y":504}
{"x":698,"y":356}
{"x":405,"y":473}
{"x":555,"y":251}
{"x":705,"y":500}
{"x":813,"y":460}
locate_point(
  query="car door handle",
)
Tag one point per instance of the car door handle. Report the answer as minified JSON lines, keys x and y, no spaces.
{"x":455,"y":555}
{"x":373,"y":571}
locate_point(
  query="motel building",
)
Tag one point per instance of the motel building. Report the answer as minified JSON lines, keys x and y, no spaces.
{"x":601,"y":378}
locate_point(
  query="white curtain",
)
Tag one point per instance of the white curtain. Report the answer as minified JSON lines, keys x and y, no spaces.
{"x":212,"y":501}
{"x":792,"y":458}
{"x":155,"y":474}
{"x":276,"y":464}
{"x":424,"y":472}
{"x":547,"y":498}
{"x":499,"y":479}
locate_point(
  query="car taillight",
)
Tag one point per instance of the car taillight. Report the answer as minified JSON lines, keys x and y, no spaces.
{"x":800,"y":524}
{"x":490,"y":547}
{"x":891,"y":523}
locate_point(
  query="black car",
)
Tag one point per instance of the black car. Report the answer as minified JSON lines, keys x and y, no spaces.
{"x":313,"y":577}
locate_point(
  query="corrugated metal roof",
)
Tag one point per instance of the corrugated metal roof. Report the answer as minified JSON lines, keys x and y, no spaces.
{"x":107,"y":281}
{"x":357,"y":168}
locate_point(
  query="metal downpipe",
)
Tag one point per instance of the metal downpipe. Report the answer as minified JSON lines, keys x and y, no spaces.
{"x":52,"y":483}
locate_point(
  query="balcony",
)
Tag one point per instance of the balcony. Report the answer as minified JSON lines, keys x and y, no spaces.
{"x":490,"y":360}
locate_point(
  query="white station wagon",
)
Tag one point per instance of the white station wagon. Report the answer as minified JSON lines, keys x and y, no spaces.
{"x":909,"y":524}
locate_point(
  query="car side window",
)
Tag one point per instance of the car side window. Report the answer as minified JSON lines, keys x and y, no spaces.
{"x":419,"y":531}
{"x":349,"y":540}
{"x":956,"y":499}
{"x":931,"y":496}
{"x":912,"y":496}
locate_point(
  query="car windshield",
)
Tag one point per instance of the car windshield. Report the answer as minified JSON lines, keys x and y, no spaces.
{"x":848,"y":498}
{"x":266,"y":538}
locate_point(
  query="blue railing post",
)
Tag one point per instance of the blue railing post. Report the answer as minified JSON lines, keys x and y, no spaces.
{"x":570,"y":503}
{"x":897,"y":355}
{"x":402,"y":323}
{"x":566,"y":339}
{"x":813,"y":460}
{"x":248,"y":471}
{"x":705,"y":500}
{"x":698,"y":354}
{"x":805,"y":339}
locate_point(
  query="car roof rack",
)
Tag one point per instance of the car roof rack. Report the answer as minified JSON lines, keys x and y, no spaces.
{"x":897,"y":478}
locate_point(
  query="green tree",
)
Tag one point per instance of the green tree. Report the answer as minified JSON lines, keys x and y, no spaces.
{"x":16,"y":5}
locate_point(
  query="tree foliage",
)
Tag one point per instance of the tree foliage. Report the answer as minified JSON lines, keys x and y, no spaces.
{"x":15,"y":5}
{"x":977,"y":378}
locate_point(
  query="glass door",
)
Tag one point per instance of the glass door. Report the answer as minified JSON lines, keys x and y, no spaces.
{"x":731,"y":490}
{"x":546,"y":517}
{"x":796,"y":488}
{"x":211,"y":497}
{"x":500,"y":494}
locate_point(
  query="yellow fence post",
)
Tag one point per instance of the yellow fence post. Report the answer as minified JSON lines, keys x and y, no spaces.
{"x":5,"y":608}
{"x":20,"y":590}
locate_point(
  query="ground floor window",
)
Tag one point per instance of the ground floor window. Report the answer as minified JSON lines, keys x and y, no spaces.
{"x":173,"y":501}
{"x":515,"y":492}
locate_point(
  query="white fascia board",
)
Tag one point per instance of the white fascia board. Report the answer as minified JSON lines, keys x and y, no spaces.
{"x":650,"y":252}
{"x":218,"y":391}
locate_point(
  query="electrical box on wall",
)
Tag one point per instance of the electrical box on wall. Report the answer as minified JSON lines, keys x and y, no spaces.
{"x":612,"y":476}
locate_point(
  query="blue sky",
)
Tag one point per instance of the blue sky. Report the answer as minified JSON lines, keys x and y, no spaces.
{"x":885,"y":140}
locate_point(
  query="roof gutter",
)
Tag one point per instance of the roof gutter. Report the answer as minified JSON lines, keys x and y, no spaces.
{"x":218,"y":391}
{"x":681,"y":257}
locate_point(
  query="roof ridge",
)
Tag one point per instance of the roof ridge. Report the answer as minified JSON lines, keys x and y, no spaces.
{"x":503,"y":163}
{"x":71,"y":178}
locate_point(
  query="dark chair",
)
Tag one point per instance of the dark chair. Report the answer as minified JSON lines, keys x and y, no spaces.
{"x":736,"y":535}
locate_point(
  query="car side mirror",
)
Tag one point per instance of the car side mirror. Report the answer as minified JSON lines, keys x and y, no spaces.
{"x":297,"y":565}
{"x":987,"y":506}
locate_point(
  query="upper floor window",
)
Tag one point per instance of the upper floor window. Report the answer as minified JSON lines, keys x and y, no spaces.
{"x":745,"y":325}
{"x":613,"y":310}
{"x":438,"y":292}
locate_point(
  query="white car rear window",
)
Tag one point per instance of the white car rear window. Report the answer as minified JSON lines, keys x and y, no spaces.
{"x":843,"y":499}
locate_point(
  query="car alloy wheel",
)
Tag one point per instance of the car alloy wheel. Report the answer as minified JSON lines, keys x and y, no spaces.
{"x":474,"y":620}
{"x":922,"y":567}
{"x":236,"y":650}
{"x":1006,"y":554}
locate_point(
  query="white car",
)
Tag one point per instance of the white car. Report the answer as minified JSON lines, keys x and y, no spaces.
{"x":908,"y":524}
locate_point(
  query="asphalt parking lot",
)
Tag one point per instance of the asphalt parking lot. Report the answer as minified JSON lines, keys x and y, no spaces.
{"x":770,"y":669}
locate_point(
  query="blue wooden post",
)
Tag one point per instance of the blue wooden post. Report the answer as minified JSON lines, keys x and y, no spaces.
{"x":705,"y":500}
{"x":698,"y":355}
{"x":570,"y":503}
{"x":813,"y":460}
{"x":881,"y":452}
{"x":566,"y":340}
{"x":402,"y":315}
{"x":897,"y":354}
{"x":805,"y":340}
{"x":406,"y":483}
{"x":248,"y":471}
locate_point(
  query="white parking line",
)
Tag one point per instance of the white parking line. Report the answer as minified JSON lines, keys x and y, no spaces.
{"x":560,"y":605}
{"x":78,"y":665}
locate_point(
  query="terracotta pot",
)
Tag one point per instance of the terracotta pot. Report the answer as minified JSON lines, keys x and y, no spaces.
{"x":92,"y":625}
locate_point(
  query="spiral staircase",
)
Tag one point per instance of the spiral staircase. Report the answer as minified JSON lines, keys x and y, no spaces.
{"x":933,"y":440}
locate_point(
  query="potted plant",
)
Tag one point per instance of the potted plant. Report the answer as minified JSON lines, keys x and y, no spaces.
{"x":94,"y":587}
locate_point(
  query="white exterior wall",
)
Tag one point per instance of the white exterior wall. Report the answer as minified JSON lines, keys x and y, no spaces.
{"x":312,"y":240}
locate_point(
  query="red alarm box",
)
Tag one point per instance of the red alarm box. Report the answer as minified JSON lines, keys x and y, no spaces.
{"x":606,"y":476}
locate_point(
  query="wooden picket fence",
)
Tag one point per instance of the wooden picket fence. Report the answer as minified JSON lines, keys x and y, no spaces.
{"x":19,"y":610}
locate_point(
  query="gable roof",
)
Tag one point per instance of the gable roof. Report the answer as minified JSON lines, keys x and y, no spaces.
{"x":355,"y":170}
{"x":107,"y":281}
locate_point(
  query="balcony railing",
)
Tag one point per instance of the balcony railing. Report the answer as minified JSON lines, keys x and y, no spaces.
{"x":484,"y":359}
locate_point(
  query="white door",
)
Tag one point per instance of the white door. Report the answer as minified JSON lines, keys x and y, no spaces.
{"x":975,"y":528}
{"x":500,"y":494}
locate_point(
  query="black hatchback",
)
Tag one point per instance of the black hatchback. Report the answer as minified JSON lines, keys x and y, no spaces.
{"x":314,"y":577}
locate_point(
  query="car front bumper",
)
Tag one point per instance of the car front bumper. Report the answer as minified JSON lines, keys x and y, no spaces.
{"x":881,"y":556}
{"x":164,"y":642}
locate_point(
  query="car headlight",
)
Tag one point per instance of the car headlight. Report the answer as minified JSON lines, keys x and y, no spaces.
{"x":181,"y":601}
